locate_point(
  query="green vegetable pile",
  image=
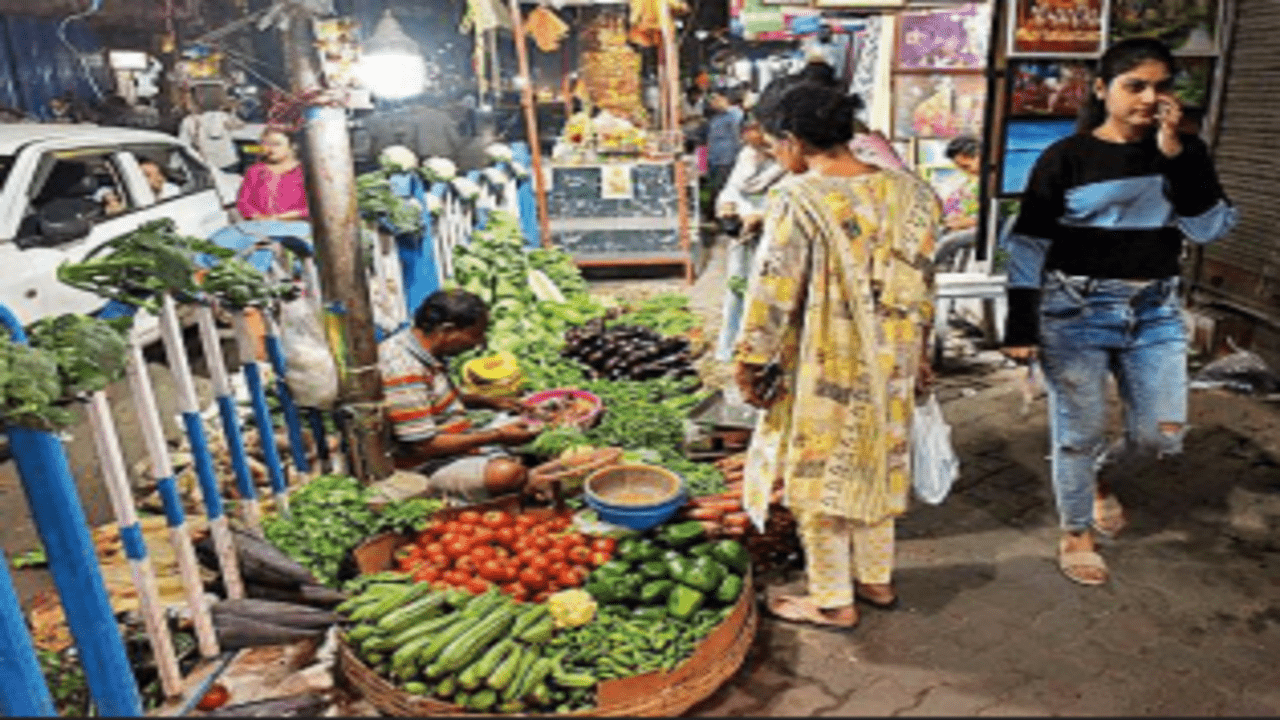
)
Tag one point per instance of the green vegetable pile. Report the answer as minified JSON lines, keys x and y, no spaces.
{"x":667,"y":314}
{"x":136,"y":267}
{"x":662,"y":593}
{"x":483,"y":653}
{"x":67,"y":355}
{"x":237,"y":284}
{"x":377,"y":202}
{"x":331,"y":515}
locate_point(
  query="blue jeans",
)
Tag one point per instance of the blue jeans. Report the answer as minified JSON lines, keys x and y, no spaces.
{"x":1133,"y":330}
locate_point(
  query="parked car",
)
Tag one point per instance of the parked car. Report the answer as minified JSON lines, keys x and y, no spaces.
{"x":66,"y":189}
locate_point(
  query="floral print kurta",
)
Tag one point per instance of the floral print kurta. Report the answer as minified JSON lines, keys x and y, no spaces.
{"x":840,"y":299}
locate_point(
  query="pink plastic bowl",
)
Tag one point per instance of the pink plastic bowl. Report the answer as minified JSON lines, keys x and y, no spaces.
{"x":583,"y":422}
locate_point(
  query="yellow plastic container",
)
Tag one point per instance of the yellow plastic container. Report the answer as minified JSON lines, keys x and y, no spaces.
{"x":494,"y":376}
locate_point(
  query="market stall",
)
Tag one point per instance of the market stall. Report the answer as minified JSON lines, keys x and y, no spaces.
{"x":617,"y":189}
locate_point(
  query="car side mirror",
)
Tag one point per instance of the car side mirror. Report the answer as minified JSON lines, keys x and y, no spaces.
{"x":66,"y":219}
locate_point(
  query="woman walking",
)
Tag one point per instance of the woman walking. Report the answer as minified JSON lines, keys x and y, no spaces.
{"x":838,"y":308}
{"x":1093,"y":285}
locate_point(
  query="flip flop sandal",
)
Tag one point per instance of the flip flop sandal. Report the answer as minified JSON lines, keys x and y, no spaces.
{"x":1108,"y":516}
{"x":1070,"y":563}
{"x":890,"y":604}
{"x":801,"y":611}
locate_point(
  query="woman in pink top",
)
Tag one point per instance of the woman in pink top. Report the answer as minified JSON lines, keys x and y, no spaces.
{"x":273,"y":188}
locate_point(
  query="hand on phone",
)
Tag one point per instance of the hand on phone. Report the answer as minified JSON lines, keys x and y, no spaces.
{"x":1168,"y":117}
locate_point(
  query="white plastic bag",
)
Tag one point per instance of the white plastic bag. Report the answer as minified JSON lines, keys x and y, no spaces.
{"x":310,"y":371}
{"x":934,"y":465}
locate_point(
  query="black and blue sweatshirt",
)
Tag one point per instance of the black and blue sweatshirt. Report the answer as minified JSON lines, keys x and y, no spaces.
{"x":1108,"y":210}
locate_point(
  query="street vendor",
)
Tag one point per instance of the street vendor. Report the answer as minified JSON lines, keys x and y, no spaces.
{"x":429,"y":417}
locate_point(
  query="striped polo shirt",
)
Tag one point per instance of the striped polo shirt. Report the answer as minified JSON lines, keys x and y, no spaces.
{"x":420,"y":397}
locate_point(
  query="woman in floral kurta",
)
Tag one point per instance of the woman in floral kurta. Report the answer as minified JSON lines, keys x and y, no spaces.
{"x":841,"y":303}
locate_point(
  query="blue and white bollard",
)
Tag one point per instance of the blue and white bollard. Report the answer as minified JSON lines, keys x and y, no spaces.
{"x":144,"y":401}
{"x":189,"y":406}
{"x":292,"y":422}
{"x":261,"y":413}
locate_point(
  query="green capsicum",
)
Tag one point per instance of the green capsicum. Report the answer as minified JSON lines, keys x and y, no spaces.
{"x":653,"y":569}
{"x":702,"y":549}
{"x":729,"y":590}
{"x":681,"y":534}
{"x":614,"y":567}
{"x":684,"y":602}
{"x":733,"y":554}
{"x":628,"y":550}
{"x":651,"y":613}
{"x":655,"y":591}
{"x":703,"y":574}
{"x":678,"y":566}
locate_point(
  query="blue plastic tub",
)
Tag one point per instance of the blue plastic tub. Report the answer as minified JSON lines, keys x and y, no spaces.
{"x":639,"y":497}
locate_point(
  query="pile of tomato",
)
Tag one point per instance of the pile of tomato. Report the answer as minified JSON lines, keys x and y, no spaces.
{"x":528,"y":557}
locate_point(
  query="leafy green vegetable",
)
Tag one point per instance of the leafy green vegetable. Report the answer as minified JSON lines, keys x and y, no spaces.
{"x":331,"y":515}
{"x":30,"y":387}
{"x":666,"y":313}
{"x":90,"y":353}
{"x":377,"y":202}
{"x":236,"y":283}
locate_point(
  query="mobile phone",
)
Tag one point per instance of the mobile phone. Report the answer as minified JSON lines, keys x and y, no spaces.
{"x":769,"y":382}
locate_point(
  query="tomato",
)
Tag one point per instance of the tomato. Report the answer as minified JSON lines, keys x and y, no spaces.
{"x":540,"y":562}
{"x":483,"y":536}
{"x":541,"y":597}
{"x":455,"y":577}
{"x":501,"y":552}
{"x":434,"y":548}
{"x":554,"y":570}
{"x":441,"y":584}
{"x":215,"y":697}
{"x":450,"y":527}
{"x":525,"y":520}
{"x":495,"y":519}
{"x":579,"y":555}
{"x":402,"y":553}
{"x":476,"y":586}
{"x":492,"y":571}
{"x":604,"y":545}
{"x":507,"y":536}
{"x":533,"y":579}
{"x":449,"y":538}
{"x":402,"y":564}
{"x":457,"y":549}
{"x":468,"y":517}
{"x":426,"y":574}
{"x":543,"y":542}
{"x":466,"y":564}
{"x":516,"y":590}
{"x":439,"y":560}
{"x":599,"y":558}
{"x":555,"y":555}
{"x":480,"y":553}
{"x":528,"y":554}
{"x":512,"y":570}
{"x":553,"y":587}
{"x":568,"y":577}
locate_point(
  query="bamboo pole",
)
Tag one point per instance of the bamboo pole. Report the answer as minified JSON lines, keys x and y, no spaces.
{"x":162,"y":471}
{"x":530,"y":121}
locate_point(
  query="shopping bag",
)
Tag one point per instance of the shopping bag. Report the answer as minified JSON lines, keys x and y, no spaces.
{"x":934,"y":465}
{"x":310,"y":370}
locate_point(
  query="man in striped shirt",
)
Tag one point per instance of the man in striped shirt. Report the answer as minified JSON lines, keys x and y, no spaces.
{"x":427,"y":413}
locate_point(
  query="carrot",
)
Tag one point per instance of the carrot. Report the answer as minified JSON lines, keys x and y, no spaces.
{"x":737,"y":519}
{"x":704,"y":513}
{"x":710,"y":527}
{"x":721,"y":505}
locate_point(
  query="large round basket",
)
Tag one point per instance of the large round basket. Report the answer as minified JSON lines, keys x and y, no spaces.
{"x":656,"y":694}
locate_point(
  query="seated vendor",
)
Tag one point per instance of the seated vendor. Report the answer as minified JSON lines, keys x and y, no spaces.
{"x":433,"y":433}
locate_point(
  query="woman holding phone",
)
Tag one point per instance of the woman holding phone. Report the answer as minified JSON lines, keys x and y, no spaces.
{"x":1093,"y":285}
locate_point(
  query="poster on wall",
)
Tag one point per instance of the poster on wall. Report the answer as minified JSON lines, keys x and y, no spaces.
{"x":938,"y":105}
{"x":1025,"y":139}
{"x":1055,"y":89}
{"x":1056,"y":27}
{"x":944,"y":38}
{"x":1187,"y":26}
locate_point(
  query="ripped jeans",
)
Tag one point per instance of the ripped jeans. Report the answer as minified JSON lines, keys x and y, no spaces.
{"x":1092,"y":327}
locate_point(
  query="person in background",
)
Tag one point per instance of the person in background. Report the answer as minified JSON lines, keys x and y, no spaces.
{"x":208,"y":129}
{"x":274,"y":188}
{"x":724,"y":130}
{"x":833,"y":348}
{"x":960,"y":204}
{"x":158,"y":179}
{"x":870,"y":146}
{"x":754,"y":172}
{"x":433,"y":433}
{"x":1093,"y":286}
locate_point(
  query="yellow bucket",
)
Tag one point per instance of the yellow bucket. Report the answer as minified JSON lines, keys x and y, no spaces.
{"x":494,"y":376}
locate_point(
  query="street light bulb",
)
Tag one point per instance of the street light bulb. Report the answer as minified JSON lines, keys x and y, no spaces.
{"x":393,"y":76}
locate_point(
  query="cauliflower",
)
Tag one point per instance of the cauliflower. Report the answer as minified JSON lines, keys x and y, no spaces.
{"x":466,"y":188}
{"x":438,"y":169}
{"x":398,"y":158}
{"x":495,"y":175}
{"x":571,"y":608}
{"x":499,"y":152}
{"x":519,"y":170}
{"x":434,"y":204}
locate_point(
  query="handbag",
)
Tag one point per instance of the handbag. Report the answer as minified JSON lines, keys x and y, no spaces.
{"x":934,"y":465}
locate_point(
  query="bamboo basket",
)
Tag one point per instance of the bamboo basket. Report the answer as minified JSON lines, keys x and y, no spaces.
{"x":655,"y":694}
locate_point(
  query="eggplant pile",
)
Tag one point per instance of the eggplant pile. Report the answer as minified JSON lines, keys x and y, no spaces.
{"x":628,"y":352}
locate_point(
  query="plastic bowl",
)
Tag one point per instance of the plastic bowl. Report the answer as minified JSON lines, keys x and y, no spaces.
{"x":634,"y":496}
{"x":584,"y":421}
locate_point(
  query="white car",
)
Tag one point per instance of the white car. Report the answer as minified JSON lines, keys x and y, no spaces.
{"x":66,"y":189}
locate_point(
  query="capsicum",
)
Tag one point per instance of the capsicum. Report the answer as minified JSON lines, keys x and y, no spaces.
{"x":704,"y":574}
{"x":654,"y":569}
{"x":733,"y":554}
{"x":684,"y":602}
{"x":729,"y":590}
{"x":655,"y":591}
{"x":681,"y":534}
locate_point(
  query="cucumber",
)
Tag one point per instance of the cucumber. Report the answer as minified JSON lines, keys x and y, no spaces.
{"x":566,"y":679}
{"x":475,"y":674}
{"x":462,"y":699}
{"x":402,"y":661}
{"x":511,"y":706}
{"x":527,"y":658}
{"x":415,"y":688}
{"x":529,"y":618}
{"x":538,"y":672}
{"x":392,"y":642}
{"x":540,"y":632}
{"x":540,"y":694}
{"x":359,"y":633}
{"x":505,"y":673}
{"x":374,"y":659}
{"x":404,"y":594}
{"x":371,"y":594}
{"x":447,"y":687}
{"x":483,"y":700}
{"x":406,"y":617}
{"x":442,"y":639}
{"x":469,"y":645}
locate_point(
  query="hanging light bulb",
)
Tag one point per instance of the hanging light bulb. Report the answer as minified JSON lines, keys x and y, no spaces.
{"x":392,"y":65}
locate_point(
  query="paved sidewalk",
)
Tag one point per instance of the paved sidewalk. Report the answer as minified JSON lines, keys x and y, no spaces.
{"x":1189,"y":625}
